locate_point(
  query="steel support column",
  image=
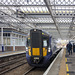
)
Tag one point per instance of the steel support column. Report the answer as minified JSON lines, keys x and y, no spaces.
{"x":50,"y":10}
{"x":2,"y":39}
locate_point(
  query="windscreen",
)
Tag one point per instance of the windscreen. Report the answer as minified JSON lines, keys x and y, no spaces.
{"x":36,"y":39}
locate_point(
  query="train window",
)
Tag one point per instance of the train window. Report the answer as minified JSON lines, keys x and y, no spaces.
{"x":44,"y":43}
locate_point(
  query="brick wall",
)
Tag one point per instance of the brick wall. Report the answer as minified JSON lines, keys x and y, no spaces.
{"x":8,"y":48}
{"x":19,"y":48}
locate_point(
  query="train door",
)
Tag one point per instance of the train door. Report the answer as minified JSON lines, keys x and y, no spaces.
{"x":28,"y":46}
{"x":45,"y":45}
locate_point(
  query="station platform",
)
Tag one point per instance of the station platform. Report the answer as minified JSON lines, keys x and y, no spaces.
{"x":63,"y":65}
{"x":58,"y":66}
{"x":9,"y":53}
{"x":70,"y":63}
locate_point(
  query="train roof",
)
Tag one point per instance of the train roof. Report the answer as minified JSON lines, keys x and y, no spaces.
{"x":43,"y":32}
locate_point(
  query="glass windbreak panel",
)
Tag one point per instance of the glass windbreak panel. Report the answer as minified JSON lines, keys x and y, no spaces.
{"x":8,"y":41}
{"x":4,"y":34}
{"x":44,"y":43}
{"x":16,"y":41}
{"x":20,"y":41}
{"x":4,"y":41}
{"x":28,"y":41}
{"x":8,"y":34}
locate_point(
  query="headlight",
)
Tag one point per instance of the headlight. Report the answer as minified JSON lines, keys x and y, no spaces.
{"x":26,"y":48}
{"x":49,"y":49}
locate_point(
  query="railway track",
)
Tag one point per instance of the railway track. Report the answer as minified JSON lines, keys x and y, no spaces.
{"x":19,"y":67}
{"x":12,"y":68}
{"x":35,"y":71}
{"x":39,"y":71}
{"x":11,"y":63}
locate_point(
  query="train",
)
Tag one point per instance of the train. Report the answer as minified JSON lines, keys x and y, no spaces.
{"x":40,"y":47}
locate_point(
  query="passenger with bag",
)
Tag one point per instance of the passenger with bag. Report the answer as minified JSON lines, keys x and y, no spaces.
{"x":69,"y":48}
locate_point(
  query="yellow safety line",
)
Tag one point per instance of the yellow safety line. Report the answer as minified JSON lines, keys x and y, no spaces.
{"x":66,"y":59}
{"x":67,"y":69}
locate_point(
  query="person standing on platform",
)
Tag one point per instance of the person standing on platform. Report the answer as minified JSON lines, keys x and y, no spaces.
{"x":69,"y":48}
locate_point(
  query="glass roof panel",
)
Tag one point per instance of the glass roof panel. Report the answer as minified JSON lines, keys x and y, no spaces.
{"x":64,"y":20}
{"x":39,"y":20}
{"x":34,"y":9}
{"x":22,"y":2}
{"x":64,"y":7}
{"x":62,"y":2}
{"x":63,"y":12}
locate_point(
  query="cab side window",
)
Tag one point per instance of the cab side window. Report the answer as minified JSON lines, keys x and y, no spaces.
{"x":44,"y":43}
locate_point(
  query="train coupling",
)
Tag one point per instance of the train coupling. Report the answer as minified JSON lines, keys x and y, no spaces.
{"x":36,"y":60}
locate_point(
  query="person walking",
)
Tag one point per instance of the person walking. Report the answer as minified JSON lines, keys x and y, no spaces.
{"x":69,"y":48}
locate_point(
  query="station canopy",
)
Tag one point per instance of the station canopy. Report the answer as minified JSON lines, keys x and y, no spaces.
{"x":56,"y":17}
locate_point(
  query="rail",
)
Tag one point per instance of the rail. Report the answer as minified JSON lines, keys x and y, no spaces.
{"x":29,"y":71}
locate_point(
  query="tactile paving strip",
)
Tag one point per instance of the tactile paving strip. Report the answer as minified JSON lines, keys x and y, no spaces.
{"x":71,"y":73}
{"x":68,"y":62}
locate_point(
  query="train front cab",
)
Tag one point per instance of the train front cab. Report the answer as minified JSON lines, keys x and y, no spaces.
{"x":39,"y":48}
